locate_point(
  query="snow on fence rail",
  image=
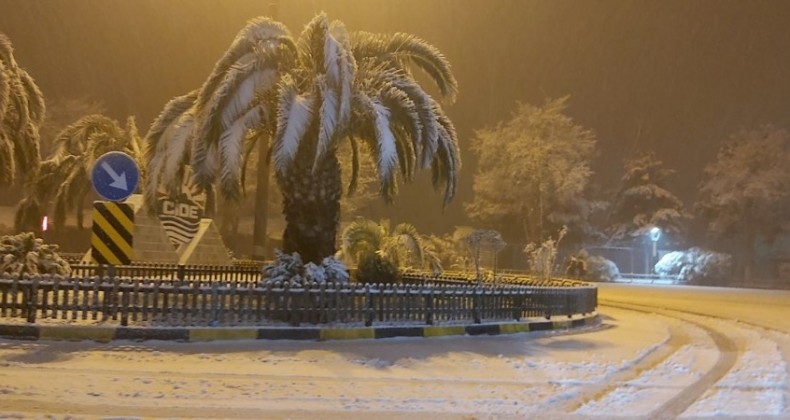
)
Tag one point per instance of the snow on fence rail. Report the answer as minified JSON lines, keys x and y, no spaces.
{"x":247,"y":273}
{"x":199,"y":302}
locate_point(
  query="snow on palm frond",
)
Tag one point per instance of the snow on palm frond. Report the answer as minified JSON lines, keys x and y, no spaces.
{"x":34,"y":96}
{"x":324,"y":48}
{"x":7,"y":167}
{"x":232,"y":143}
{"x":133,"y":140}
{"x":26,"y":152}
{"x":328,"y":114}
{"x":294,"y":115}
{"x":168,"y":165}
{"x":226,"y":100}
{"x":404,"y":49}
{"x":312,"y":42}
{"x":5,"y":90}
{"x":447,"y":163}
{"x":347,"y":71}
{"x":73,"y":139}
{"x":7,"y":53}
{"x":405,"y":117}
{"x":388,"y":153}
{"x":167,"y":145}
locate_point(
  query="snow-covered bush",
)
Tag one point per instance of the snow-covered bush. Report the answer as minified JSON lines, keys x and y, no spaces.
{"x":695,"y":265}
{"x":290,"y":268}
{"x":596,"y":268}
{"x":25,"y":254}
{"x":541,"y":257}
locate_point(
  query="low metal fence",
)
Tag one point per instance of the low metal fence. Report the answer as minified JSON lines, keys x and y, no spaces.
{"x":210,"y":302}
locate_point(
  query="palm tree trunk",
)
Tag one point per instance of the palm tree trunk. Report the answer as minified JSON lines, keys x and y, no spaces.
{"x":259,"y":232}
{"x":311,"y":205}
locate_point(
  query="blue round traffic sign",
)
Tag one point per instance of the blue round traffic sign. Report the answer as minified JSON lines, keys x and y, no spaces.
{"x":115,"y":176}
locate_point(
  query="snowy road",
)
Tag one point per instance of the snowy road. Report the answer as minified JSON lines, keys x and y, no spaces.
{"x":664,"y":352}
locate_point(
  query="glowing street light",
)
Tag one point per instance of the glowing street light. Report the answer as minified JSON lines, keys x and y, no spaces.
{"x":655,"y":235}
{"x":44,"y":224}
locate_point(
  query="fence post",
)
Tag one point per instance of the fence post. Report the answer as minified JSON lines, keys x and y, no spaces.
{"x":125,"y":307}
{"x":429,"y":306}
{"x":214,"y":292}
{"x":32,"y":300}
{"x":112,"y":272}
{"x":181,"y":272}
{"x":368,"y":306}
{"x":476,"y":304}
{"x":518,"y":303}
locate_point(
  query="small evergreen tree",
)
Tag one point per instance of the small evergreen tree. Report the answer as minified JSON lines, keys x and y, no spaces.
{"x":644,"y":202}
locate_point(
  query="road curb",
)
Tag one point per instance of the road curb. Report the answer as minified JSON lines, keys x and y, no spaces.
{"x":200,"y":334}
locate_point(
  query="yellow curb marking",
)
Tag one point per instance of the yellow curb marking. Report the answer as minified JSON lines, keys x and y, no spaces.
{"x":347,"y":333}
{"x":440,"y":331}
{"x":513,"y":328}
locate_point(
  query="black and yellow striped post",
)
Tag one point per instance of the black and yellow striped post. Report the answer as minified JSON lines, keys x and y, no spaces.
{"x":113,"y":229}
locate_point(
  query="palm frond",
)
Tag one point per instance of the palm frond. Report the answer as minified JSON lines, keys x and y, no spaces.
{"x":447,"y":162}
{"x":311,"y":44}
{"x":7,"y":167}
{"x":168,"y":143}
{"x":35,"y":98}
{"x":5,"y":91}
{"x":26,"y":151}
{"x":28,"y":214}
{"x":361,"y":236}
{"x":225,"y":102}
{"x":328,"y":113}
{"x":294,"y":115}
{"x":7,"y":53}
{"x":346,"y":71}
{"x":354,"y":178}
{"x":74,"y":138}
{"x":405,"y":48}
{"x":411,"y":241}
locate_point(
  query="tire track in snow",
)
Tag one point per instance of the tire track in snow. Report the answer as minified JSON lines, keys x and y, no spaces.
{"x":645,"y":362}
{"x":728,"y":356}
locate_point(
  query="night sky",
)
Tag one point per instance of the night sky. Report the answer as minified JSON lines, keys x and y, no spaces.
{"x":676,"y":77}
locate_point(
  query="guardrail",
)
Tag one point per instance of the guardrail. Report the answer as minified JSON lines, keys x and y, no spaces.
{"x":210,"y":302}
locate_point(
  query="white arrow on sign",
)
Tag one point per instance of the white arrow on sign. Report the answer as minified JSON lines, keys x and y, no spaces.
{"x":118,"y":181}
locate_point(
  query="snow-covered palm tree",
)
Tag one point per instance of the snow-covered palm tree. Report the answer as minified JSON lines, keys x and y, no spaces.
{"x":64,"y":178}
{"x":307,"y":95}
{"x":21,"y":113}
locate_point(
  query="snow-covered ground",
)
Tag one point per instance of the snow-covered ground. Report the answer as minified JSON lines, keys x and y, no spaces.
{"x":644,"y":362}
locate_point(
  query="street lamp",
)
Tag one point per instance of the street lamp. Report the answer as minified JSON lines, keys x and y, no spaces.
{"x":655,"y":235}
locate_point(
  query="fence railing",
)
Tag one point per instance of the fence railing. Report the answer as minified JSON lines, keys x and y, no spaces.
{"x":248,"y":273}
{"x":204,"y":302}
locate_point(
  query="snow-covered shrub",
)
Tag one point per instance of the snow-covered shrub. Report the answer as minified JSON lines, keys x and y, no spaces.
{"x":695,"y":265}
{"x":290,"y":268}
{"x":25,"y":254}
{"x":597,"y":268}
{"x":334,"y":270}
{"x":541,"y":258}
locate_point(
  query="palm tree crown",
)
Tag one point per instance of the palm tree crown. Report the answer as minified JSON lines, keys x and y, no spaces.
{"x":21,"y":113}
{"x":65,"y":176}
{"x":306,"y":95}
